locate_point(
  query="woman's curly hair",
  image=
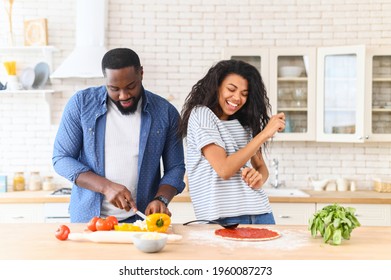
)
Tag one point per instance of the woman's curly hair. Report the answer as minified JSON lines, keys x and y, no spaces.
{"x":255,"y":113}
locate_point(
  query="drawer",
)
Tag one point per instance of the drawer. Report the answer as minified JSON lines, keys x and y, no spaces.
{"x":21,"y":213}
{"x":293,"y":213}
{"x":369,"y":214}
{"x":56,"y":210}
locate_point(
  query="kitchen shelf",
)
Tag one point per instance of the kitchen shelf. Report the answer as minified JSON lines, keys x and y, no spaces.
{"x":294,"y":109}
{"x":381,"y":79}
{"x":381,"y":110}
{"x":292,"y":79}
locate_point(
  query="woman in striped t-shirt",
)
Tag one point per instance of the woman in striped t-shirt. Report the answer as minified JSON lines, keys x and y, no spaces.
{"x":225,"y":120}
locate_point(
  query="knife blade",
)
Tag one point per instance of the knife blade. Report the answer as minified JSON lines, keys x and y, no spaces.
{"x":141,"y":215}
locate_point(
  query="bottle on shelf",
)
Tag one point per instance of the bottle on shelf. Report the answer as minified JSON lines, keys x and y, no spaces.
{"x":48,"y":184}
{"x":19,"y":182}
{"x":35,"y":182}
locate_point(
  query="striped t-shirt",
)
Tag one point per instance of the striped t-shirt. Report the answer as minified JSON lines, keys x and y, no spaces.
{"x":212,"y":196}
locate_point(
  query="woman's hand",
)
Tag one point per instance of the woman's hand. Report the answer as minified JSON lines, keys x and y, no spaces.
{"x":252,"y":177}
{"x":275,"y":124}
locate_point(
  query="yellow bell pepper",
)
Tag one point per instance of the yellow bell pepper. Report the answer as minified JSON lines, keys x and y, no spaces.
{"x":127,"y":227}
{"x":158,"y":222}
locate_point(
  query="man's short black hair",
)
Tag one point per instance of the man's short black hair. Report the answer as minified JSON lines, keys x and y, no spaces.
{"x":120,"y":58}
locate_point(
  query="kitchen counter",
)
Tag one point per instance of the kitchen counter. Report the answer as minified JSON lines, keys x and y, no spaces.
{"x":37,"y":241}
{"x":367,"y":197}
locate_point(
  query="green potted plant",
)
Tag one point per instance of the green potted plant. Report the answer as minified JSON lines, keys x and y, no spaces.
{"x":334,"y":223}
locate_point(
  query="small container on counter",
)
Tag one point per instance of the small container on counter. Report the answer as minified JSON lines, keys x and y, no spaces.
{"x":3,"y":183}
{"x":353,"y":186}
{"x":19,"y":182}
{"x":48,"y":184}
{"x":35,"y":182}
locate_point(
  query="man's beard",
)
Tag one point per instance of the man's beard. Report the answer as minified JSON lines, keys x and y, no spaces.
{"x":127,"y":110}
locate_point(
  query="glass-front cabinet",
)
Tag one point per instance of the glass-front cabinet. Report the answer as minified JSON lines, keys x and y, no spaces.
{"x":289,"y":76}
{"x":340,"y":94}
{"x":378,"y":104}
{"x":259,"y":58}
{"x":292,"y":87}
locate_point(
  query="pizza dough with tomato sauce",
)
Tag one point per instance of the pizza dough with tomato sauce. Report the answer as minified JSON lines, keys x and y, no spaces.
{"x":247,"y":234}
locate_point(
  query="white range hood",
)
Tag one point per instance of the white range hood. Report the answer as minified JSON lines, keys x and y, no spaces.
{"x":85,"y":60}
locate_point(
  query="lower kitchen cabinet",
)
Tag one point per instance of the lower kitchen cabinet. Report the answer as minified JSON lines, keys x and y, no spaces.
{"x":181,"y":212}
{"x":21,"y":213}
{"x":293,"y":213}
{"x":369,"y":214}
{"x":34,"y":213}
{"x":56,"y":213}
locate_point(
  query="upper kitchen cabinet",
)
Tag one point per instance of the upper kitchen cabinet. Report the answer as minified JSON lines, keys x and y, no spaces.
{"x":259,"y":58}
{"x":340,"y":94}
{"x":289,"y":77}
{"x":378,"y":93}
{"x":292,"y":91}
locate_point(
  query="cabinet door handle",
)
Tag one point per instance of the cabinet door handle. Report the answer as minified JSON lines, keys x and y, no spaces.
{"x":18,"y":217}
{"x":284,"y":216}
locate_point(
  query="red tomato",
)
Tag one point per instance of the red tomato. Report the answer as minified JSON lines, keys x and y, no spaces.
{"x":104,"y":224}
{"x":113,"y":219}
{"x":62,"y":232}
{"x":92,"y":224}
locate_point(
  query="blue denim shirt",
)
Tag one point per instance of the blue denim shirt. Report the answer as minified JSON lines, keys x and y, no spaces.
{"x":79,"y":147}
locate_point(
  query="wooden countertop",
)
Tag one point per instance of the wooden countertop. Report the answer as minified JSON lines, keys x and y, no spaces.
{"x":369,"y":197}
{"x":37,"y":241}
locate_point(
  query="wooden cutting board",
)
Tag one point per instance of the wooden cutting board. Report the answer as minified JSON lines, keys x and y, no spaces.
{"x":114,"y":236}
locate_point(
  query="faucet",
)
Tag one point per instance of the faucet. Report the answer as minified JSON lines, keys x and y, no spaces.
{"x":275,"y":184}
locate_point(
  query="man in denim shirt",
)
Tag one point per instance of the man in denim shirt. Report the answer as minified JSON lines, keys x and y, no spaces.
{"x":111,"y":142}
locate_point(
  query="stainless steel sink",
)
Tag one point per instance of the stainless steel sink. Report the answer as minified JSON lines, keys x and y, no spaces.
{"x":285,"y":192}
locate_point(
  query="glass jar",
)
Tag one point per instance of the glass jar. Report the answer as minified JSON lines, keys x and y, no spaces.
{"x":19,"y":181}
{"x":48,"y":184}
{"x":35,"y":183}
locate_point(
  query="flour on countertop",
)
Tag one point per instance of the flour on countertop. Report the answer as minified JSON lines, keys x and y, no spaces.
{"x":289,"y":240}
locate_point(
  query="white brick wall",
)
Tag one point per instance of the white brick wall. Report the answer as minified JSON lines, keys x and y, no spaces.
{"x":177,"y":42}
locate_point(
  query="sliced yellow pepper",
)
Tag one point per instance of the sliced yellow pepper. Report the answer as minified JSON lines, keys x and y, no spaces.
{"x":158,"y":222}
{"x":127,"y":227}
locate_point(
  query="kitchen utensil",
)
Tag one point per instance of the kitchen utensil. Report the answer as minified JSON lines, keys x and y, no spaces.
{"x":299,"y":96}
{"x":141,"y":215}
{"x":27,"y":78}
{"x":228,"y":225}
{"x":331,"y":186}
{"x":318,"y":185}
{"x":114,"y":236}
{"x":290,"y":71}
{"x":42,"y":72}
{"x":342,"y":185}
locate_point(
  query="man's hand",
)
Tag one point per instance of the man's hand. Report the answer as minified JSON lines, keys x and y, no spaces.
{"x":156,"y":206}
{"x":120,"y":197}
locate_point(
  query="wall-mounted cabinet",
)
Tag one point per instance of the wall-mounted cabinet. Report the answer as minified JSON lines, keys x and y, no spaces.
{"x":341,"y":94}
{"x":378,"y":93}
{"x":292,"y":91}
{"x":289,"y":77}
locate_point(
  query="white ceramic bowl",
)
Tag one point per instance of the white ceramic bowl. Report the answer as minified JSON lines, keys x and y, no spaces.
{"x":290,"y":71}
{"x":149,"y":242}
